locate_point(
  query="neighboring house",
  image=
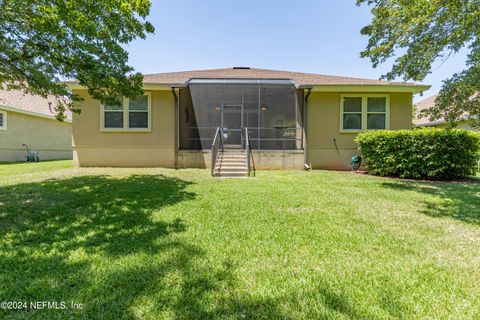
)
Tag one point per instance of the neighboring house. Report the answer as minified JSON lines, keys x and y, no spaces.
{"x":28,"y":119}
{"x":464,"y":123}
{"x":292,"y":118}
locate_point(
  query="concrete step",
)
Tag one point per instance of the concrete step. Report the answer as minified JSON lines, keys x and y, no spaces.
{"x":232,"y":163}
{"x":232,"y":150}
{"x":232,"y":160}
{"x":232,"y":169}
{"x":226,"y":171}
{"x":233,"y":156}
{"x":233,"y":174}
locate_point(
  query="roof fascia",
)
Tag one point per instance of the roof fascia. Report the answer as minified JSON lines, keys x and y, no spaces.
{"x":31,"y":113}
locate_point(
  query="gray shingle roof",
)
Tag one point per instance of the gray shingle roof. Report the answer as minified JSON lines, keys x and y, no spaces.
{"x":427,"y":104}
{"x":253,"y":73}
{"x":30,"y":103}
{"x":424,"y":104}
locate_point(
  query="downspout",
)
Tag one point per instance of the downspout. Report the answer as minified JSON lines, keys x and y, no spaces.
{"x":176,"y":126}
{"x":305,"y":145}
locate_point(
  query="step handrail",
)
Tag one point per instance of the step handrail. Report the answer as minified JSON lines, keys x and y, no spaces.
{"x":248,"y":150}
{"x":217,"y":144}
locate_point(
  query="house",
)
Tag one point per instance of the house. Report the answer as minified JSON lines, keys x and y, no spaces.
{"x":290,"y":118}
{"x":30,"y":120}
{"x":464,"y":123}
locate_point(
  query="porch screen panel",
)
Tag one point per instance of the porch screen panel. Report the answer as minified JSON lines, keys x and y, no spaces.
{"x":278,"y":118}
{"x":207,"y":103}
{"x":232,"y":94}
{"x":251,"y":114}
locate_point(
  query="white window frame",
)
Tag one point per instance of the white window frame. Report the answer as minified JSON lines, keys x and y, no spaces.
{"x":365,"y":111}
{"x":4,"y":115}
{"x":126,"y":118}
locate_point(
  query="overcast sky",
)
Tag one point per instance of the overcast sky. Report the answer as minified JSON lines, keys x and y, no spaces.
{"x":317,"y":36}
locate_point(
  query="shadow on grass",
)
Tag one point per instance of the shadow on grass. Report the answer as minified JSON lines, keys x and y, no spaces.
{"x":103,"y":242}
{"x":460,"y":201}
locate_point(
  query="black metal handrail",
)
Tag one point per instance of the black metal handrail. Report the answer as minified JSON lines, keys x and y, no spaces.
{"x":248,"y":150}
{"x":216,"y":145}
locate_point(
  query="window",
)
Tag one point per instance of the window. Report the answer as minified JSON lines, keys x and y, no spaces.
{"x":352,"y":113}
{"x":364,"y":112}
{"x":3,"y":120}
{"x":138,"y":112}
{"x":113,"y":115}
{"x":376,"y":112}
{"x":127,"y":115}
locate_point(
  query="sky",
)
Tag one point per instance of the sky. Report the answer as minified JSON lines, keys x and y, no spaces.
{"x":315,"y":36}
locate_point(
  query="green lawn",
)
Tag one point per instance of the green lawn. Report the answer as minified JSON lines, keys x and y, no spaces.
{"x":157,"y":243}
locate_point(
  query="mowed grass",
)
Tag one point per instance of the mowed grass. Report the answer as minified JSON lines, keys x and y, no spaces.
{"x":178,"y":244}
{"x":24,"y":169}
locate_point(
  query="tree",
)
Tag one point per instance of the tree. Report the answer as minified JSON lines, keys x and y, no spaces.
{"x":43,"y":42}
{"x":425,"y":31}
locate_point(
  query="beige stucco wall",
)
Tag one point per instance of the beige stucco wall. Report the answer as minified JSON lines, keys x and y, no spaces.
{"x":323,"y":125}
{"x":93,"y":147}
{"x":466,"y":124}
{"x":52,"y":138}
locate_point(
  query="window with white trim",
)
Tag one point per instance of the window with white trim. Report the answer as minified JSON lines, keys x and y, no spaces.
{"x":138,"y":112}
{"x":376,"y":113}
{"x":3,"y":120}
{"x":127,"y":114}
{"x":364,"y":112}
{"x":113,"y":115}
{"x":352,"y":113}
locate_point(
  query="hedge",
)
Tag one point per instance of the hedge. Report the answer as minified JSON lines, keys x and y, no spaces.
{"x":433,"y":154}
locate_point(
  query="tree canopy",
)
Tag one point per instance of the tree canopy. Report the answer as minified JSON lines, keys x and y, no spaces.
{"x":43,"y":42}
{"x":421,"y":32}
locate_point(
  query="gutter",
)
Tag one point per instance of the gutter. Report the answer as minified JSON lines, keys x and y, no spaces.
{"x":74,"y":85}
{"x":305,"y":109}
{"x":391,"y":88}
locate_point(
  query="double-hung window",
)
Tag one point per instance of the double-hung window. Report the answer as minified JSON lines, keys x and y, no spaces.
{"x":3,"y":120}
{"x":113,"y":117}
{"x":376,"y":113}
{"x":359,"y":112}
{"x":138,"y":112}
{"x":127,"y":114}
{"x":352,"y":113}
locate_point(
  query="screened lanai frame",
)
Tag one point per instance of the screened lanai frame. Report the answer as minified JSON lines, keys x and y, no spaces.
{"x":272,"y":110}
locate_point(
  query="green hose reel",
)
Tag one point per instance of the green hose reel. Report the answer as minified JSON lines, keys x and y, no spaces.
{"x":356,"y":162}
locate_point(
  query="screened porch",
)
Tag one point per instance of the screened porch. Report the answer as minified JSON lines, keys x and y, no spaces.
{"x":271,"y":110}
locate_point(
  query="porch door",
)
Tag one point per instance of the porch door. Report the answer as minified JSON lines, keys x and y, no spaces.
{"x":232,"y":123}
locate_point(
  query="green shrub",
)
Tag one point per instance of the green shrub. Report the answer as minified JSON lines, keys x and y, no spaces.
{"x":434,"y":154}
